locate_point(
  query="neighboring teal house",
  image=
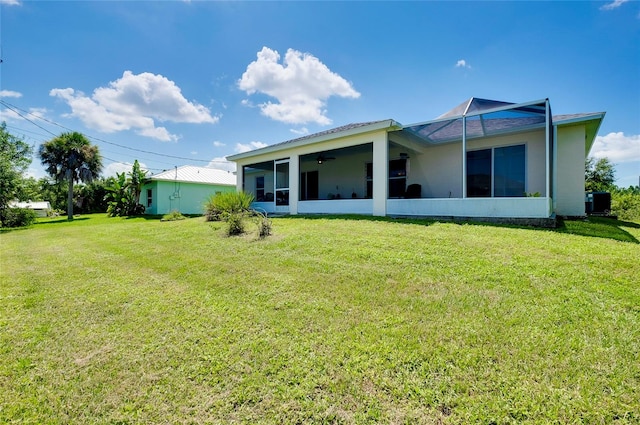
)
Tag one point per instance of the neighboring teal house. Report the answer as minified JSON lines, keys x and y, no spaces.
{"x":184,"y":189}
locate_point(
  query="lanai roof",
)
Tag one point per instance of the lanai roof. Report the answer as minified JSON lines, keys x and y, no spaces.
{"x":483,"y":118}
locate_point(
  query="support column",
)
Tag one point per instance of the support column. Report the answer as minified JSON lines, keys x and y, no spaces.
{"x":464,"y":157}
{"x":380,"y":175}
{"x":547,"y":150}
{"x":239,"y":177}
{"x":294,"y":183}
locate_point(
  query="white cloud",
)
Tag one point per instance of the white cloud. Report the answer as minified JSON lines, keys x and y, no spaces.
{"x":300,"y":131}
{"x":301,"y":85}
{"x":7,"y":114}
{"x":10,"y":93}
{"x":10,"y":2}
{"x":218,"y":144}
{"x":462,"y":64}
{"x":135,"y":102}
{"x":241,"y":147}
{"x":617,"y":147}
{"x":221,"y":163}
{"x":613,"y":5}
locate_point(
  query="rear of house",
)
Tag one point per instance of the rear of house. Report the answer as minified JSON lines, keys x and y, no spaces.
{"x":482,"y":159}
{"x":184,"y":189}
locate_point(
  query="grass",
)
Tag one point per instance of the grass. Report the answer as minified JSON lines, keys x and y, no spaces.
{"x":329,"y":320}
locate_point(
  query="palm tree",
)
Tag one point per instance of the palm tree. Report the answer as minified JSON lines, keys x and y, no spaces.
{"x":71,"y":157}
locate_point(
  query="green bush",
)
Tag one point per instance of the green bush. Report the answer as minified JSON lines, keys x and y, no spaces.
{"x":234,"y":208}
{"x":219,"y":206}
{"x":17,"y":217}
{"x":625,"y":203}
{"x":173,"y":216}
{"x":235,"y":221}
{"x":264,"y":224}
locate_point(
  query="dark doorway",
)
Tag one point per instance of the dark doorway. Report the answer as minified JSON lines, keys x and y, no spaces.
{"x":309,"y":185}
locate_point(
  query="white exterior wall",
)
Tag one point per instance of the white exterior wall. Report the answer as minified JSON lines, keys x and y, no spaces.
{"x":570,"y":171}
{"x":439,"y":169}
{"x":343,"y":177}
{"x":472,"y":207}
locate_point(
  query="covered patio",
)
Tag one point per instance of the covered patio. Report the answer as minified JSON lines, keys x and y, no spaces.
{"x":483,"y":158}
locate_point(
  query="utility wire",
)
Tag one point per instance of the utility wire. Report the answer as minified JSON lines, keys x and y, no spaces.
{"x":35,"y":140}
{"x":16,"y":109}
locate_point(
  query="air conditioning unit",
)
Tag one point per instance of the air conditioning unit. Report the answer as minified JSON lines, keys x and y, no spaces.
{"x":598,"y":203}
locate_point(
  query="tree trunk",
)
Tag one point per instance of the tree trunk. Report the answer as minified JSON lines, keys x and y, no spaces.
{"x":70,"y":201}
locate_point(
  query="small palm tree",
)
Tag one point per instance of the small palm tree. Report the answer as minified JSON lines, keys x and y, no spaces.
{"x":73,"y":158}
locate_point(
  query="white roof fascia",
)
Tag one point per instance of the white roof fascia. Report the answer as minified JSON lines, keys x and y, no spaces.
{"x":385,"y":124}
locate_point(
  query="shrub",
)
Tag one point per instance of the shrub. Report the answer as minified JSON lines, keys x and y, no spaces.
{"x":233,"y":208}
{"x":235,"y":221}
{"x":17,"y":217}
{"x":264,"y":224}
{"x":625,"y":203}
{"x":222,"y":204}
{"x":173,"y":216}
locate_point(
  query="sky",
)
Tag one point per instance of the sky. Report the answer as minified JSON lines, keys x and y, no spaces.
{"x":173,"y":83}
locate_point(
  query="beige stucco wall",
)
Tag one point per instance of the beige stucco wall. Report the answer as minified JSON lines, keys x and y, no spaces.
{"x":570,"y":171}
{"x":439,"y":168}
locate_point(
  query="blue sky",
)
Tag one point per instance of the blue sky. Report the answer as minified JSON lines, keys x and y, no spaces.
{"x":190,"y":82}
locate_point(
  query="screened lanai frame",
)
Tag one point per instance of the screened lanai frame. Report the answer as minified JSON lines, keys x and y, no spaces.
{"x":480,"y":118}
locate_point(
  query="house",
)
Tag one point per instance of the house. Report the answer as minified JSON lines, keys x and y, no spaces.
{"x":41,"y":208}
{"x":185,"y":189}
{"x":482,"y":159}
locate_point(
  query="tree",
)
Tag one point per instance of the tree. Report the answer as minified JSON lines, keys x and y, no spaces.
{"x":124,"y":193}
{"x":137,"y":179}
{"x":15,"y":157}
{"x":599,"y":175}
{"x":71,"y":157}
{"x":30,"y":190}
{"x":54,"y":191}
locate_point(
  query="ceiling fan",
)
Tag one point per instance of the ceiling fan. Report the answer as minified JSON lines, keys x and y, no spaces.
{"x":322,"y":158}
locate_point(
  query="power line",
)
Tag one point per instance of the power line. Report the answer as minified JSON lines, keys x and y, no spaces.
{"x":101,"y":151}
{"x":16,"y":109}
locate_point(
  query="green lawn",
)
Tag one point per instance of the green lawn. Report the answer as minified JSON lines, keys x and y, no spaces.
{"x":329,"y":320}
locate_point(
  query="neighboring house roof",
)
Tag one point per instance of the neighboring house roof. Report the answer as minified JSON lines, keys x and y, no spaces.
{"x":34,"y":205}
{"x":192,"y":174}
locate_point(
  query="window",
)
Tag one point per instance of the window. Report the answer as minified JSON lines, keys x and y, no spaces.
{"x":282,"y":182}
{"x":397,"y":178}
{"x":309,"y":185}
{"x":149,"y":197}
{"x":369,"y":179}
{"x":260,"y":188}
{"x":496,"y":172}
